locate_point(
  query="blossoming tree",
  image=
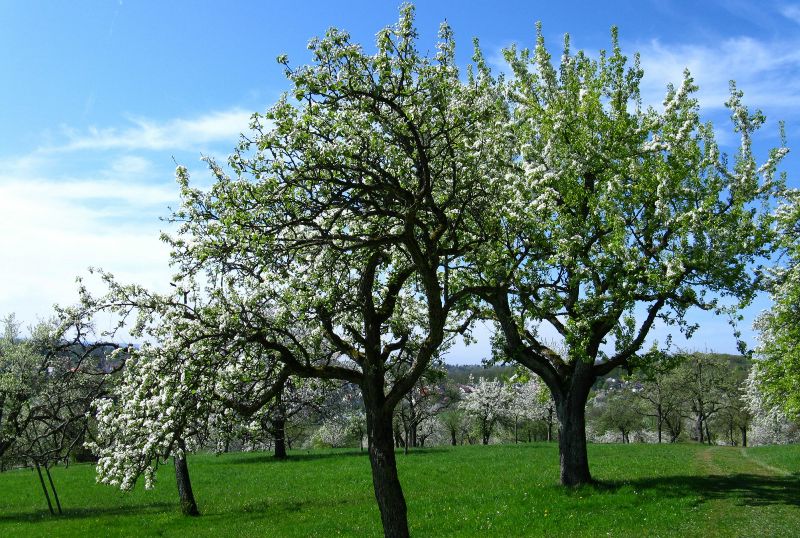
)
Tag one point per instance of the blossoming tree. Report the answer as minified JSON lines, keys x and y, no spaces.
{"x":337,"y":245}
{"x":778,"y":370}
{"x":487,"y":402}
{"x":616,"y":217}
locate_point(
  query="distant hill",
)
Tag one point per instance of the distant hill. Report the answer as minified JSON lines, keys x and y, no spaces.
{"x":459,"y":373}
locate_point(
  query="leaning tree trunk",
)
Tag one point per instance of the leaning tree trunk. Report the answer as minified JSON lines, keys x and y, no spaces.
{"x":380,"y":440}
{"x":188,"y":504}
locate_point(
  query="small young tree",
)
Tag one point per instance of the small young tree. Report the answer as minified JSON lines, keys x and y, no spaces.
{"x":529,"y":402}
{"x":617,"y":410}
{"x":47,"y":383}
{"x":661,"y":395}
{"x":486,"y":403}
{"x":705,"y":381}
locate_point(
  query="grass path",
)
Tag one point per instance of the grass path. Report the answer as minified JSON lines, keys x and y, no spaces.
{"x":746,"y":497}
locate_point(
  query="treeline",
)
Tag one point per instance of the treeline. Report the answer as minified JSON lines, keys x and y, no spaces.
{"x":699,"y":397}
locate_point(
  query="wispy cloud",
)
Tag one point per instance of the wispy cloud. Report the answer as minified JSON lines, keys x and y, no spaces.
{"x":767,"y":71}
{"x":53,"y":227}
{"x":174,"y":134}
{"x":792,"y":12}
{"x":95,"y":199}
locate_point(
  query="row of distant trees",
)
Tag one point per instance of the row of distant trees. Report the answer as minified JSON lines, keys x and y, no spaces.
{"x":702,"y":397}
{"x":51,"y":387}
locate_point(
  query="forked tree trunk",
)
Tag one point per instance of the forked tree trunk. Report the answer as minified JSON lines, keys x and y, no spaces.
{"x":571,"y":411}
{"x":185,"y":493}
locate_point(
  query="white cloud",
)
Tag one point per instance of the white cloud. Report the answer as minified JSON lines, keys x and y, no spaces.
{"x":94,"y":200}
{"x":53,"y":228}
{"x":768,"y":72}
{"x":792,"y":12}
{"x":175,"y":134}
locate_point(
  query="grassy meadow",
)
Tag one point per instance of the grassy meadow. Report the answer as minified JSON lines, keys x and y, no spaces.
{"x":504,"y":490}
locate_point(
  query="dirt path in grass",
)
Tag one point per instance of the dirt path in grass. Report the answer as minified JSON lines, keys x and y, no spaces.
{"x":744,"y":497}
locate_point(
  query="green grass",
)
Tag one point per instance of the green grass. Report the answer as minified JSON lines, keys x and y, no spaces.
{"x":512,"y":490}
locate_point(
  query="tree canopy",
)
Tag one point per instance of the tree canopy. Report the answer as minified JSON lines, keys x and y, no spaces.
{"x":334,"y":250}
{"x":779,"y":327}
{"x":615,"y":217}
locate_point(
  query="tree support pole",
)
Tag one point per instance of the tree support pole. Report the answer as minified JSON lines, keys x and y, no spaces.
{"x":53,"y":487}
{"x":44,"y":488}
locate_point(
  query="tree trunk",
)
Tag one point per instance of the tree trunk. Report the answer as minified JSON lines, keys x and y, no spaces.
{"x":744,"y":436}
{"x":279,"y":431}
{"x":188,"y":504}
{"x":453,"y":439}
{"x":571,"y":411}
{"x":388,"y":492}
{"x":660,"y":421}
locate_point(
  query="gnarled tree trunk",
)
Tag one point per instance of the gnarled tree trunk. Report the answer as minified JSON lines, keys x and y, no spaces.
{"x":570,"y":399}
{"x":380,"y":438}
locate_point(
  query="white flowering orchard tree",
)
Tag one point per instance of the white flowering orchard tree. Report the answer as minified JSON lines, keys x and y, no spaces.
{"x":487,"y":402}
{"x":340,"y":238}
{"x":295,"y":399}
{"x":185,"y":374}
{"x":779,"y":328}
{"x":616,"y":217}
{"x":769,"y":425}
{"x":530,"y":401}
{"x":48,"y":381}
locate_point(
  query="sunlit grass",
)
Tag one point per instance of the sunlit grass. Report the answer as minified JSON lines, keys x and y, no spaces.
{"x":512,"y":490}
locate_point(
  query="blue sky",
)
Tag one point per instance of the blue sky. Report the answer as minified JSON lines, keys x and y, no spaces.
{"x":101,"y":98}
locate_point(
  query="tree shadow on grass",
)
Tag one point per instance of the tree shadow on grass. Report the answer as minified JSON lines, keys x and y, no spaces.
{"x":421,"y":451}
{"x":314,"y":456}
{"x":269,"y":458}
{"x":89,"y":511}
{"x":743,"y":488}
